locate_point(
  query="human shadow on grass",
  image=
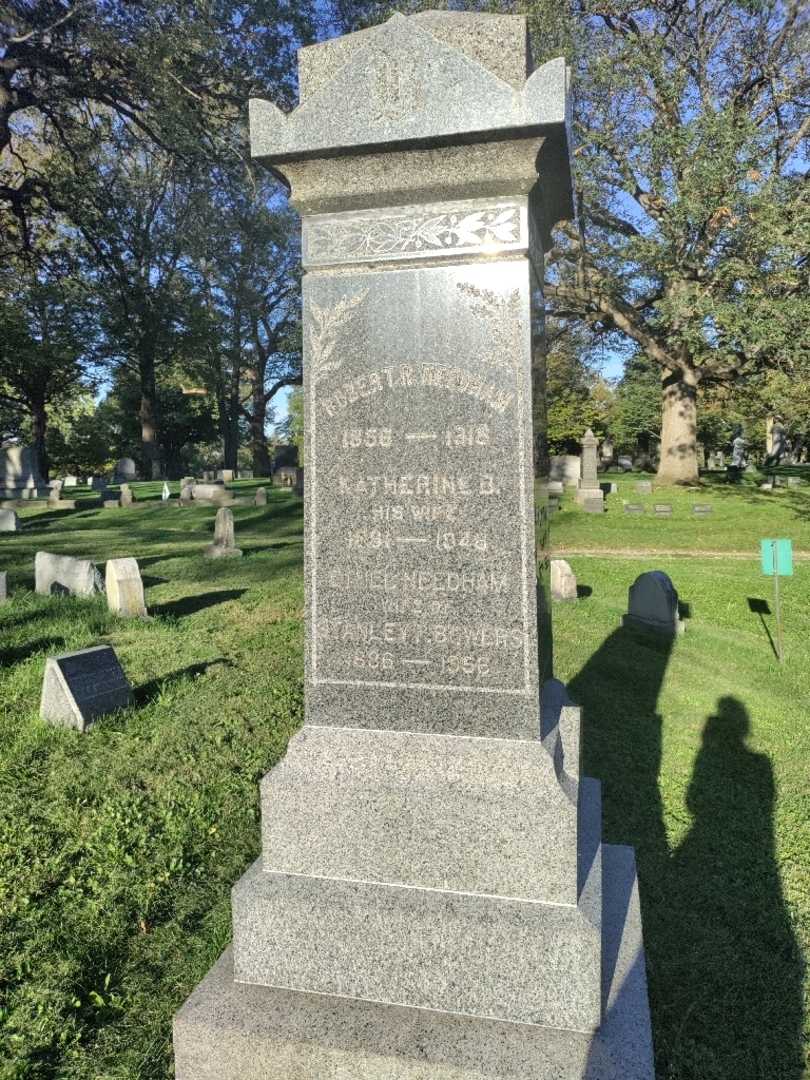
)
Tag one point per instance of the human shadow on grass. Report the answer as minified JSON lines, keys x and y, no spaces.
{"x":149,"y":691}
{"x":188,"y":605}
{"x":725,"y":954}
{"x":722,"y":963}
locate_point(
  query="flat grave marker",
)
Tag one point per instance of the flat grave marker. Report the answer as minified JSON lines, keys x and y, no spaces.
{"x":79,"y":687}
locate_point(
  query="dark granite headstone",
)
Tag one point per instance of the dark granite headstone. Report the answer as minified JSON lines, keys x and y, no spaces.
{"x":653,"y":604}
{"x":79,"y":687}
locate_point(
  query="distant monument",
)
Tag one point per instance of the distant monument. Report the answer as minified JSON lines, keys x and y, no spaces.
{"x":125,"y":470}
{"x":589,"y":494}
{"x":19,"y":472}
{"x":433,"y":899}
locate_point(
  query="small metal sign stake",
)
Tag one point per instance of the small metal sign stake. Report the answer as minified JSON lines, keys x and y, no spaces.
{"x":777,"y":561}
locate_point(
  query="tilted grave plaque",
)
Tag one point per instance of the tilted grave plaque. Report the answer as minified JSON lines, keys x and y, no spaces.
{"x":429,"y":901}
{"x":79,"y":687}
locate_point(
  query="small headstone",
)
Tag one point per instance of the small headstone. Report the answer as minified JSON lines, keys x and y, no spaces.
{"x":125,"y":588}
{"x":186,"y":494}
{"x":9,"y":522}
{"x":111,"y":504}
{"x":593,"y":504}
{"x":125,"y":469}
{"x":563,"y":581}
{"x":794,"y":481}
{"x":81,"y":686}
{"x":653,"y":604}
{"x":211,"y":493}
{"x":71,"y":481}
{"x":286,"y":476}
{"x":165,"y":494}
{"x":625,"y":463}
{"x":633,"y":508}
{"x":127,"y":495}
{"x":644,"y":487}
{"x":245,"y":474}
{"x":702,"y":509}
{"x":555,"y":487}
{"x":663,"y":509}
{"x":64,"y":574}
{"x":3,"y":586}
{"x":767,"y":486}
{"x":225,"y":475}
{"x":208,"y":476}
{"x":223,"y":545}
{"x":260,"y":498}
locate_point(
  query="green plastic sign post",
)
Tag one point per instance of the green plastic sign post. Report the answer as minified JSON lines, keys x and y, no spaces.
{"x":777,"y":561}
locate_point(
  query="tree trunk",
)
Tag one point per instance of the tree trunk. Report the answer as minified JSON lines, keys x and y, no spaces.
{"x":147,"y":414}
{"x":258,"y":440}
{"x":678,"y":464}
{"x":39,"y":427}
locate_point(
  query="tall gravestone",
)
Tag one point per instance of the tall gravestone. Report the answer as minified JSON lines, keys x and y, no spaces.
{"x":590,"y":494}
{"x":433,"y":899}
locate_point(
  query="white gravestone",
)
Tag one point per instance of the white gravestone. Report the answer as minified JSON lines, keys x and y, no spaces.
{"x":124,"y":588}
{"x":9,"y":522}
{"x":563,"y":581}
{"x":64,"y":574}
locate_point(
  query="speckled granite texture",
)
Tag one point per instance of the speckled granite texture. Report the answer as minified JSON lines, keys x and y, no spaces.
{"x":230,"y":1030}
{"x":429,"y":903}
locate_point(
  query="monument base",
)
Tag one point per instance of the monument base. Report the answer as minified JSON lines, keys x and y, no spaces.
{"x":666,"y":629}
{"x":234,"y":1030}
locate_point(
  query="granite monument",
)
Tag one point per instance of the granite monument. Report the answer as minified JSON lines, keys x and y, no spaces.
{"x":433,"y":899}
{"x":589,"y":494}
{"x":653,"y":604}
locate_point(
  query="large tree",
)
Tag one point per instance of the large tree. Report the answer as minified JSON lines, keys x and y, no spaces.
{"x":47,"y":337}
{"x":689,"y":132}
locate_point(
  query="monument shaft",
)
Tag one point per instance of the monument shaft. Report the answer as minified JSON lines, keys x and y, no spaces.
{"x":429,"y":901}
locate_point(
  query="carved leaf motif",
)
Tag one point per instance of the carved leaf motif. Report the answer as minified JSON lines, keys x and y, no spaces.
{"x":325,"y":327}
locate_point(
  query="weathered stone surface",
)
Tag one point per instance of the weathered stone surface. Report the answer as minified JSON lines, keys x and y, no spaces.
{"x":424,"y":844}
{"x":232,"y":1029}
{"x":662,"y":509}
{"x":633,"y":508}
{"x":644,"y":487}
{"x":70,"y":481}
{"x":565,"y":469}
{"x":64,"y":574}
{"x":593,"y":504}
{"x":226,"y":476}
{"x":563,"y":581}
{"x":126,"y":469}
{"x":702,"y":509}
{"x":111,"y":504}
{"x":483,"y":816}
{"x":127,"y":496}
{"x":19,"y":471}
{"x":213,"y":494}
{"x":3,"y":586}
{"x":124,"y":588}
{"x":224,"y":546}
{"x":589,"y":494}
{"x":9,"y":522}
{"x":81,"y":686}
{"x":260,"y":498}
{"x":285,"y":476}
{"x":653,"y":604}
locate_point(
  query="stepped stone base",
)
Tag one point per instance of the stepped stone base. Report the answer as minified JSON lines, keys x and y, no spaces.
{"x":235,"y":1031}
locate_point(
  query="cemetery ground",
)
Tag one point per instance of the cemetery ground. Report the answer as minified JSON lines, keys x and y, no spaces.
{"x":118,"y":848}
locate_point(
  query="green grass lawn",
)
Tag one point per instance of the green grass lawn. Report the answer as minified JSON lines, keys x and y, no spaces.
{"x":741,"y":516}
{"x":118,"y":848}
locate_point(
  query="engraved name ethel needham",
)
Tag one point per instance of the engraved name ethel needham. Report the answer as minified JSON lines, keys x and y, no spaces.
{"x":418,"y":550}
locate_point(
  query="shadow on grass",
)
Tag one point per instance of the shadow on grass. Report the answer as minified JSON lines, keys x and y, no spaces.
{"x":762,"y":608}
{"x":723,"y":966}
{"x":15,"y":654}
{"x":188,"y":605}
{"x":584,"y":591}
{"x":149,"y":691}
